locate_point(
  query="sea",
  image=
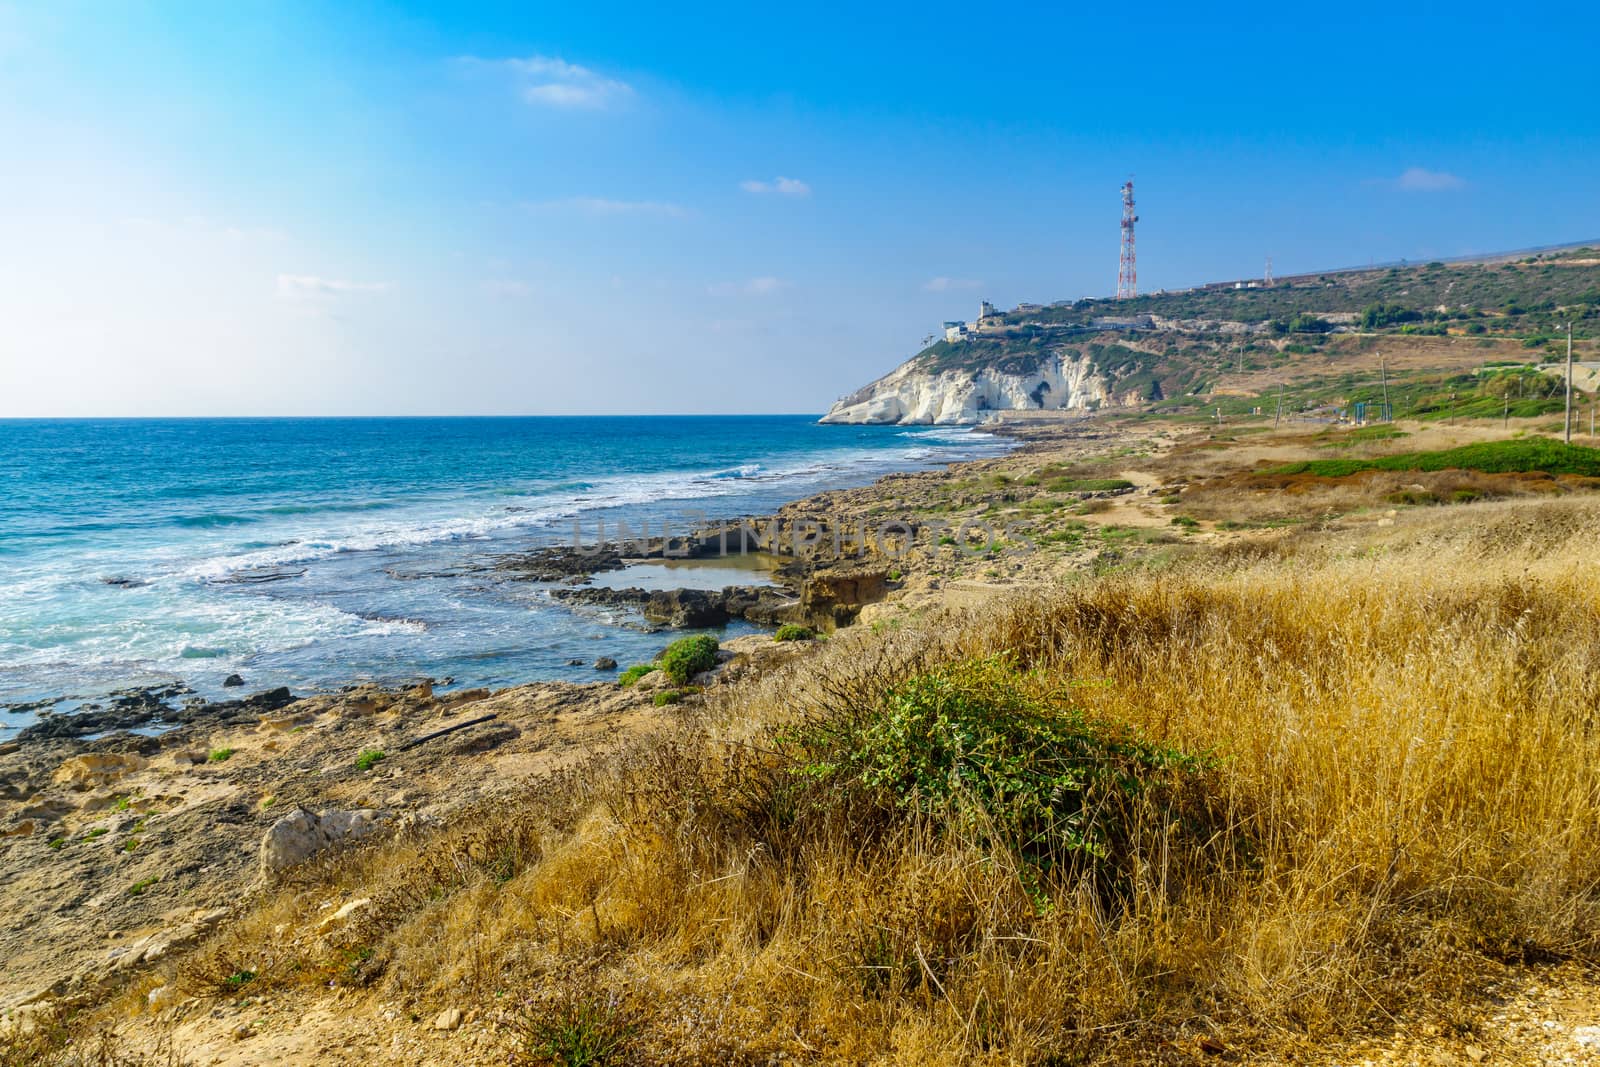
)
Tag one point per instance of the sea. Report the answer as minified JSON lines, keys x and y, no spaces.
{"x":319,"y":553}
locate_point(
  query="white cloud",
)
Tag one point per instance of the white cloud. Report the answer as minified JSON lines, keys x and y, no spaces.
{"x":765,"y":285}
{"x":311,"y":287}
{"x":597,"y":205}
{"x":942,"y":284}
{"x":1422,"y":180}
{"x":548,"y":81}
{"x":780,"y":185}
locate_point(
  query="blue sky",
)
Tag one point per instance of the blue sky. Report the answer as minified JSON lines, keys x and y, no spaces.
{"x":525,"y":208}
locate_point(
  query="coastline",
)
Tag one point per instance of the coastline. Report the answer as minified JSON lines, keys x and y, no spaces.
{"x":141,"y":867}
{"x":314,"y":584}
{"x":100,"y":802}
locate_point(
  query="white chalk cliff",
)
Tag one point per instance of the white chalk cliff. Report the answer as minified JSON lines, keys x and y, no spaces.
{"x":916,"y":393}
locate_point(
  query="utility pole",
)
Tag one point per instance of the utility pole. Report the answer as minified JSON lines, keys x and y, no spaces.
{"x":1569,"y":381}
{"x":1383,"y":372}
{"x":1278,"y":418}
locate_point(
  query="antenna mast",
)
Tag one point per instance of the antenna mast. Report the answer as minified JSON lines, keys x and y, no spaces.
{"x":1127,"y":271}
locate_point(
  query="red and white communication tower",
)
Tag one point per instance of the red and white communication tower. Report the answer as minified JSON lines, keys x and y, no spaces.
{"x":1127,"y":271}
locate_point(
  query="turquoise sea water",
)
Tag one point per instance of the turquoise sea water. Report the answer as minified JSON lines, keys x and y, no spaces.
{"x":318,"y":552}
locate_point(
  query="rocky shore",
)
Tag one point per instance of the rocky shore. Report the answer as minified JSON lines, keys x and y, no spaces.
{"x":119,"y":848}
{"x":132,"y":829}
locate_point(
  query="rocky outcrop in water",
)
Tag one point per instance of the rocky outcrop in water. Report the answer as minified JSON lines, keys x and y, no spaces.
{"x":139,"y":708}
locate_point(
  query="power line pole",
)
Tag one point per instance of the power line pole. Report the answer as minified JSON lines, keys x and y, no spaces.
{"x":1278,"y":418}
{"x":1569,"y":381}
{"x":1383,"y":372}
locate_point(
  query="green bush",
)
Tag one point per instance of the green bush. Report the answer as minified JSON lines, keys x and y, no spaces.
{"x":794,"y":632}
{"x":1088,"y":485}
{"x":369,"y":758}
{"x":1377,"y":316}
{"x":220,"y":755}
{"x":670,"y":696}
{"x":634,"y":673}
{"x":1302,"y":322}
{"x":587,"y":1033}
{"x":685,"y":658}
{"x":978,"y":747}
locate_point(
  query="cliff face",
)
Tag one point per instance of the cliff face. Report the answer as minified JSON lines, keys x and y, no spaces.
{"x":916,"y":393}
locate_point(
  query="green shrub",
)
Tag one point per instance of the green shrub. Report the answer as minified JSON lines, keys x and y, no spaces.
{"x":685,"y":658}
{"x":794,"y":632}
{"x":587,"y":1033}
{"x":137,"y":889}
{"x":1088,"y":485}
{"x":634,"y":673}
{"x":220,"y":755}
{"x":1377,"y":316}
{"x":979,"y":748}
{"x":1302,"y":322}
{"x":369,"y":758}
{"x":670,"y":696}
{"x":1186,"y":521}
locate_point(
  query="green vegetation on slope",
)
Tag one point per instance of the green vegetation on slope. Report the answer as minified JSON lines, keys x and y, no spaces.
{"x":1390,"y":298}
{"x":1490,"y":457}
{"x":687,"y":657}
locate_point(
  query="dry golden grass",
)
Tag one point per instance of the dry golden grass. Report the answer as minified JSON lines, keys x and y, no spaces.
{"x":1406,"y":792}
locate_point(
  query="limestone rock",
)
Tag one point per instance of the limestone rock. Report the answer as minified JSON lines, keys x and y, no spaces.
{"x":449,"y":1019}
{"x":918,"y":392}
{"x":94,"y":770}
{"x":300,"y":835}
{"x":605,"y":663}
{"x":686,"y":608}
{"x":344,"y":912}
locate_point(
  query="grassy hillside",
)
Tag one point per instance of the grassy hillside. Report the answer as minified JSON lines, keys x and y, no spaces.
{"x":1522,"y":297}
{"x":1240,"y":805}
{"x":1468,"y":338}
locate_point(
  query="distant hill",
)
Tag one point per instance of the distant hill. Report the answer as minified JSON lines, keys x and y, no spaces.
{"x":1174,"y":348}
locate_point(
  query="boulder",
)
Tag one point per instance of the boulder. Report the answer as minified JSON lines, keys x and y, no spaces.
{"x":449,"y":1019}
{"x":344,"y":912}
{"x":605,"y":663}
{"x":300,"y":835}
{"x":687,"y":608}
{"x":232,"y":681}
{"x":835,"y":599}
